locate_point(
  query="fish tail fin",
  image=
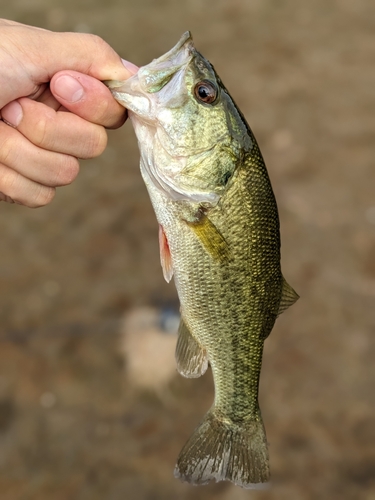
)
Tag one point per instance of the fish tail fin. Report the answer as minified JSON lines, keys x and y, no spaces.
{"x":225,"y":451}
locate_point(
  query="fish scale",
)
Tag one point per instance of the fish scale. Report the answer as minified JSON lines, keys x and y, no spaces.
{"x":219,"y":238}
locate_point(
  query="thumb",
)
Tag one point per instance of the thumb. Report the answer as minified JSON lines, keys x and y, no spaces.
{"x":88,"y":98}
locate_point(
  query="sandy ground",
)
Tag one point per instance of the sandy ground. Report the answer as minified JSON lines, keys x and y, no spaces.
{"x":91,"y":406}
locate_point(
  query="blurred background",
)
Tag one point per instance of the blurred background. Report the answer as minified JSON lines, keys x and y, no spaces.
{"x":91,"y":405}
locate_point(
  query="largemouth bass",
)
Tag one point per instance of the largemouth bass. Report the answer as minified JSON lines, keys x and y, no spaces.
{"x":219,"y":238}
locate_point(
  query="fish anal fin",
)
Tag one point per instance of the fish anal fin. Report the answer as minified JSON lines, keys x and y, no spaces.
{"x":191,"y":358}
{"x":165,"y":255}
{"x":211,"y":238}
{"x":288,"y":297}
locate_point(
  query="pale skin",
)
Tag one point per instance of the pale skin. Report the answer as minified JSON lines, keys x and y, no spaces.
{"x":54,"y":108}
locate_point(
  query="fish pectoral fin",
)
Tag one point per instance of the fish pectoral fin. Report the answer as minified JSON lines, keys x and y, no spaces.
{"x":165,"y":255}
{"x":288,"y":297}
{"x":211,"y":238}
{"x":191,"y":357}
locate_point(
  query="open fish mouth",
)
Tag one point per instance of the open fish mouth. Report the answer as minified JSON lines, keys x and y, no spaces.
{"x":150,"y":79}
{"x":186,"y":41}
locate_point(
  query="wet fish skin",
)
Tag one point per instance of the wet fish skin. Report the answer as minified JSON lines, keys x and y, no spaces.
{"x":220,"y":239}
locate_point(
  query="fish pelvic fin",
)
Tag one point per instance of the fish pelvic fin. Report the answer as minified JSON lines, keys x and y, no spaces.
{"x":221,"y":450}
{"x":211,"y":238}
{"x":288,"y":297}
{"x":165,"y":255}
{"x":191,"y":358}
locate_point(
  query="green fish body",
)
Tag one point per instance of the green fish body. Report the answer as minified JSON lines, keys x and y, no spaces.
{"x":219,"y":238}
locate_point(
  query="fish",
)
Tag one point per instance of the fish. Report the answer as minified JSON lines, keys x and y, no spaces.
{"x":219,"y":239}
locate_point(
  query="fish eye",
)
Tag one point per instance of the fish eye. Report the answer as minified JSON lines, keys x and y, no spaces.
{"x":205,"y":91}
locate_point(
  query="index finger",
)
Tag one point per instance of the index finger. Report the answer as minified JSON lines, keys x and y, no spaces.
{"x":31,"y":56}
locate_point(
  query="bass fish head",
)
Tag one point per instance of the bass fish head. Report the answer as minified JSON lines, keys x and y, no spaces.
{"x":190,"y":132}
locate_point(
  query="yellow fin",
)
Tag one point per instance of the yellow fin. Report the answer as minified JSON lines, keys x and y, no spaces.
{"x":211,"y":238}
{"x":288,"y":297}
{"x":191,"y":358}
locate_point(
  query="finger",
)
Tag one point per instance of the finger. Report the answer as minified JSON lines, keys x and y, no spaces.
{"x":48,"y":99}
{"x":39,"y":165}
{"x":47,"y":53}
{"x":9,"y":22}
{"x":55,"y":131}
{"x":4,"y":197}
{"x":87,"y":97}
{"x":38,"y":91}
{"x":83,"y":52}
{"x":15,"y":188}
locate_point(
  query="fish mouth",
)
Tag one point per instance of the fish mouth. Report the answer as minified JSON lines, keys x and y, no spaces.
{"x":135,"y":93}
{"x":186,"y":39}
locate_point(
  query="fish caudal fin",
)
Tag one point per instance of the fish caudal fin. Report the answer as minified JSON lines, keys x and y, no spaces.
{"x":224,"y":451}
{"x":191,"y":358}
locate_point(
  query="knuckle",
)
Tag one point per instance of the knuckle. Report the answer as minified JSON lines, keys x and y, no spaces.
{"x":42,"y":197}
{"x":7,"y":148}
{"x":32,"y":195}
{"x":9,"y":182}
{"x":102,"y":111}
{"x":110,"y":114}
{"x":99,"y":144}
{"x":97,"y":40}
{"x":68,"y":171}
{"x":95,"y":143}
{"x":40,"y":131}
{"x":120,"y":121}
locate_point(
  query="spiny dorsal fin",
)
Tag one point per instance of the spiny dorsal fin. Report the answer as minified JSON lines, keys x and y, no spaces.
{"x":288,"y":297}
{"x":211,"y":238}
{"x":191,"y":358}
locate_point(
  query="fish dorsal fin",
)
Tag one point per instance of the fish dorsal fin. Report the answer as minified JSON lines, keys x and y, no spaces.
{"x":165,"y":255}
{"x":211,"y":238}
{"x":288,"y":297}
{"x":191,"y":358}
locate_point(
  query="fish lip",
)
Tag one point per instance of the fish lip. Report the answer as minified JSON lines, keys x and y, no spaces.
{"x":167,"y":64}
{"x":186,"y":38}
{"x":123,"y":91}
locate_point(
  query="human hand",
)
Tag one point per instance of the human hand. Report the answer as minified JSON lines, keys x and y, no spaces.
{"x":53,"y":106}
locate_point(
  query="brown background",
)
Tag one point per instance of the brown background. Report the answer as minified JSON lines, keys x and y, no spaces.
{"x":91,"y":406}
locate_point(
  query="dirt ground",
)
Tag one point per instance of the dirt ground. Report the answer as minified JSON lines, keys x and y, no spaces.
{"x":91,"y":406}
